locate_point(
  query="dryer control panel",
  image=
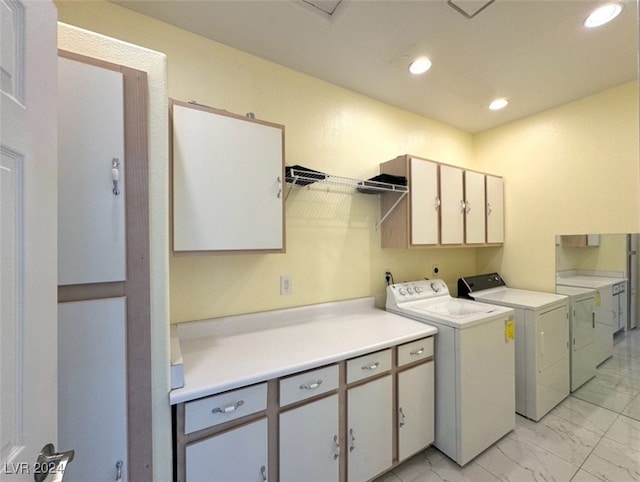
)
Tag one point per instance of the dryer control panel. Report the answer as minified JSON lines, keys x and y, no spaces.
{"x":470,"y":284}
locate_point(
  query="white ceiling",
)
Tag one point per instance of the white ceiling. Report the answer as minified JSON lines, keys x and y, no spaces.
{"x":536,"y":53}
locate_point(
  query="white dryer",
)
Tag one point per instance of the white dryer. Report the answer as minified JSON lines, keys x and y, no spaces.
{"x":542,"y":340}
{"x":474,"y":363}
{"x":582,"y":333}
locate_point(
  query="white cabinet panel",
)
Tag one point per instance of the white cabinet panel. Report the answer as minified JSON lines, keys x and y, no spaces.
{"x":227,"y":182}
{"x":452,"y":208}
{"x":495,"y":209}
{"x":92,"y":410}
{"x":239,"y":455}
{"x":91,"y":229}
{"x":415,"y":409}
{"x":424,"y":202}
{"x":309,"y":448}
{"x":370,"y":429}
{"x":475,"y":207}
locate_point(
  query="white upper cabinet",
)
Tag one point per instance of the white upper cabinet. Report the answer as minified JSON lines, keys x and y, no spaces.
{"x":474,"y":195}
{"x":495,"y":209}
{"x":228,"y":173}
{"x":425,"y":202}
{"x":91,"y":214}
{"x":446,"y":206}
{"x":452,"y":208}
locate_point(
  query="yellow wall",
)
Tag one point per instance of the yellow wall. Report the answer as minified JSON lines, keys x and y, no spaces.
{"x":571,"y":169}
{"x":610,"y":255}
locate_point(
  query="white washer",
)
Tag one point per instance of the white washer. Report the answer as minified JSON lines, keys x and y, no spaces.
{"x":475,"y":365}
{"x":542,"y":341}
{"x":582,"y":333}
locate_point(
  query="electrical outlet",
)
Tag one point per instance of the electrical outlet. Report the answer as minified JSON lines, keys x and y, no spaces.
{"x":286,"y":285}
{"x":435,"y":271}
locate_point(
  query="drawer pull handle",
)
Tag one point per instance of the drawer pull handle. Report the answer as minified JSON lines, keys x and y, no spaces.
{"x":263,"y":472}
{"x":371,"y":367}
{"x":228,"y":408}
{"x":336,"y":453}
{"x":417,"y":352}
{"x":310,"y":386}
{"x":401,"y":417}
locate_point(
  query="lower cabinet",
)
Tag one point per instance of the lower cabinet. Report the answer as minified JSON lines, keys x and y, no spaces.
{"x":309,"y":442}
{"x":415,"y":409}
{"x":370,"y":429}
{"x":345,"y":422}
{"x":239,"y":455}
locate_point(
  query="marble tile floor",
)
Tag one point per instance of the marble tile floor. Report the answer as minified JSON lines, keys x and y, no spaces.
{"x":593,"y":435}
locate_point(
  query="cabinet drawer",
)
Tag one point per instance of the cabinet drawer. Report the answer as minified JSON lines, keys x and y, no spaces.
{"x":308,"y":384}
{"x":222,"y":408}
{"x":415,"y":350}
{"x":368,"y":365}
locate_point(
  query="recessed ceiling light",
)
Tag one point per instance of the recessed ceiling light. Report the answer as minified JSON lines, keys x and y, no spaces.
{"x":603,"y":14}
{"x":420,"y":65}
{"x":498,"y":104}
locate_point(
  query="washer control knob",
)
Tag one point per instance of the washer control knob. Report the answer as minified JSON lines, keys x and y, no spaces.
{"x":410,"y":290}
{"x":418,"y":289}
{"x":402,"y":291}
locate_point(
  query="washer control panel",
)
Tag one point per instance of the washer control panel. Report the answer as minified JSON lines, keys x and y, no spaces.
{"x":416,"y":290}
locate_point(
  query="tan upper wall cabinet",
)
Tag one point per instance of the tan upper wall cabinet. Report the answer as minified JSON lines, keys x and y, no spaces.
{"x":227,"y":173}
{"x":446,"y":206}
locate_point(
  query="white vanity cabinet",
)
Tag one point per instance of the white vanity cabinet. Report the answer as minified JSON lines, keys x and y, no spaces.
{"x":446,"y":206}
{"x":337,"y":422}
{"x":227,"y":181}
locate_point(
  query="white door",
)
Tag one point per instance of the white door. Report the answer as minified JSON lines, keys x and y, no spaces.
{"x":28,"y":226}
{"x":415,"y":409}
{"x":310,"y":450}
{"x":474,"y":197}
{"x":370,"y":429}
{"x":452,"y":209}
{"x":425,"y":202}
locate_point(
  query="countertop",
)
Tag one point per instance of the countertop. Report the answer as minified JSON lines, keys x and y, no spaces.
{"x":227,"y":353}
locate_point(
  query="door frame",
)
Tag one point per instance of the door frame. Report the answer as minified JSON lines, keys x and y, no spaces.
{"x":137,"y":287}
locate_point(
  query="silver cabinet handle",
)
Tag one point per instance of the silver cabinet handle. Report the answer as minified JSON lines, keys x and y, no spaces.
{"x":310,"y":386}
{"x":279,"y":181}
{"x":437,"y":203}
{"x":489,"y":208}
{"x":336,"y":452}
{"x":52,"y":463}
{"x":463,"y":206}
{"x":402,"y":417}
{"x":371,"y":367}
{"x":119,"y":464}
{"x":352,"y":444}
{"x":115,"y":175}
{"x":593,"y":319}
{"x":263,"y":472}
{"x":468,"y":207}
{"x":228,"y":408}
{"x":417,"y":352}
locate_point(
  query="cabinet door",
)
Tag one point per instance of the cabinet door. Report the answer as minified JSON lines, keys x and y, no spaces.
{"x":475,"y":209}
{"x":370,"y":431}
{"x":495,"y":209}
{"x":91,"y":229}
{"x":227,"y":182}
{"x":415,"y":409}
{"x":583,"y":324}
{"x":92,"y":401}
{"x":239,"y":455}
{"x":452,"y":209}
{"x":622,"y":307}
{"x":425,"y":202}
{"x":309,"y":448}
